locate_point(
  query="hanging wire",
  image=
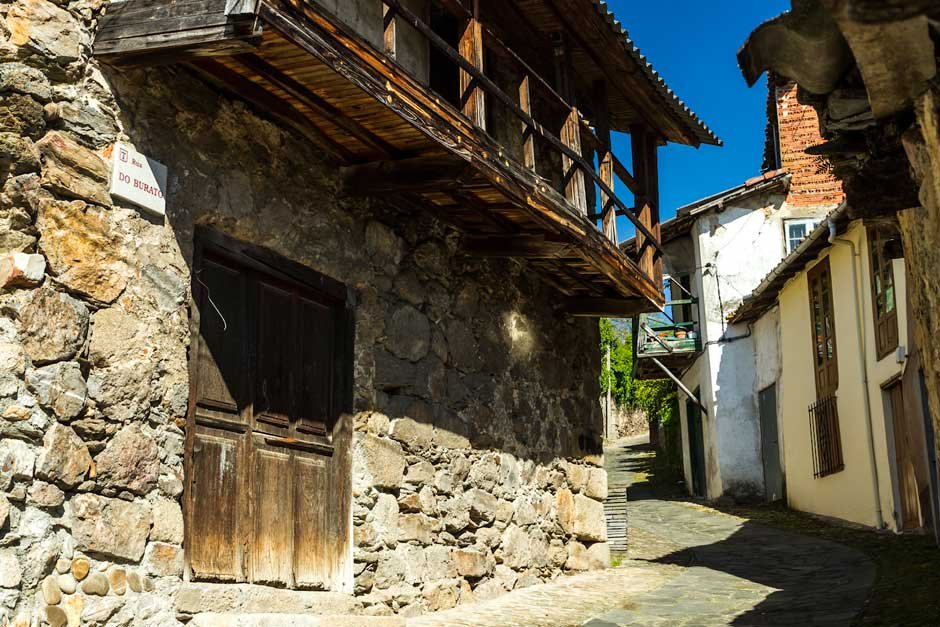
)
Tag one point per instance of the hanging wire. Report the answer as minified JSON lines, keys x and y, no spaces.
{"x":209,"y":298}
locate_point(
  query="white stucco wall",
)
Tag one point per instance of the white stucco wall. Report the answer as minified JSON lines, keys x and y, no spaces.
{"x":735,"y":248}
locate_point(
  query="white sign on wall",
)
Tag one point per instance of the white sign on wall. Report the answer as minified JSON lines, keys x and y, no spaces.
{"x":138,"y":179}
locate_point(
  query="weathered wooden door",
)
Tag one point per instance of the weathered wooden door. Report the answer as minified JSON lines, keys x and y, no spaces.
{"x":907,"y":488}
{"x":267,"y":467}
{"x":696,"y":446}
{"x":770,"y":444}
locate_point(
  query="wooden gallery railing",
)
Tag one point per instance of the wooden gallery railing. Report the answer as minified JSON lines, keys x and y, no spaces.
{"x":477,"y":91}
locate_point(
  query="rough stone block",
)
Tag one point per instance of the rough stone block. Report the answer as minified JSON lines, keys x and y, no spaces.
{"x":471,"y":563}
{"x":482,"y":504}
{"x":60,"y":387}
{"x":130,"y":461}
{"x":577,"y":557}
{"x":441,"y":595}
{"x":408,"y":334}
{"x":163,"y":560}
{"x":52,"y":326}
{"x":596,"y":487}
{"x":10,"y":569}
{"x":21,"y":270}
{"x":415,"y":528}
{"x":420,"y":473}
{"x":581,"y":516}
{"x":598,"y":555}
{"x":47,"y":31}
{"x":377,"y":462}
{"x":414,"y":435}
{"x":167,"y":522}
{"x":82,"y":248}
{"x":110,"y":527}
{"x":17,"y":461}
{"x":73,"y":170}
{"x":64,"y":458}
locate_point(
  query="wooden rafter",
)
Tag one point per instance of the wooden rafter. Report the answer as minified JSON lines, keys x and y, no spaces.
{"x":316,"y":103}
{"x":426,"y":173}
{"x":270,"y":105}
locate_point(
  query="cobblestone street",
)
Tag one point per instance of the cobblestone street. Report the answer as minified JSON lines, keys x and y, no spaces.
{"x":688,"y":565}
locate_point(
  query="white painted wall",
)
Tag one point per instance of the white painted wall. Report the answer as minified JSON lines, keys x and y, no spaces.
{"x":734,"y":249}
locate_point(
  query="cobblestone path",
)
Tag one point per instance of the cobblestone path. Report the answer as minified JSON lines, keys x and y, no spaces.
{"x":688,"y":566}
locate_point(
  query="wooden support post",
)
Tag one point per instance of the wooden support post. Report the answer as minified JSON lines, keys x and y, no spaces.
{"x":528,"y":133}
{"x":472,"y":96}
{"x":573,"y":177}
{"x":605,"y":159}
{"x":646,"y":172}
{"x":391,"y":31}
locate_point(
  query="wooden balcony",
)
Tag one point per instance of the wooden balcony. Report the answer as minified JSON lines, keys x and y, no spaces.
{"x":435,"y":110}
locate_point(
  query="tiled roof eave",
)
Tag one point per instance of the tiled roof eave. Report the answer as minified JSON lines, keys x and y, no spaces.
{"x":698,"y":128}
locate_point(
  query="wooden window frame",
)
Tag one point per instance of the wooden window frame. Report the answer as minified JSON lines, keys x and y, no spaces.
{"x":884,"y":323}
{"x":253,"y":441}
{"x":825,"y":432}
{"x":827,"y":373}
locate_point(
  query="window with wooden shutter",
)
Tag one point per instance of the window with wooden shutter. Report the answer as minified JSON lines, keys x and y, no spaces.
{"x":267,"y":499}
{"x":824,"y":413}
{"x":825,"y":355}
{"x":883,"y":297}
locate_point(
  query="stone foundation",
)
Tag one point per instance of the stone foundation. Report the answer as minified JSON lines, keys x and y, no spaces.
{"x":476,"y":444}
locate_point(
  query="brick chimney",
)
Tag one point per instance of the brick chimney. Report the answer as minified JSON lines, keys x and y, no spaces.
{"x":793,"y":128}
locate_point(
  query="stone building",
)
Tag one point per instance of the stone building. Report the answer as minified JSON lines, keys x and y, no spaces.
{"x":343,"y":359}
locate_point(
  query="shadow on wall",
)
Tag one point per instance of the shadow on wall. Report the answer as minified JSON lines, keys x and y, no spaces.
{"x":473,"y":348}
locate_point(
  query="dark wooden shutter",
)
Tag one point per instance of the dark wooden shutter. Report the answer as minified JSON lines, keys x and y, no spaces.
{"x":822,"y":316}
{"x":275,"y":373}
{"x":883,"y":295}
{"x":316,"y":355}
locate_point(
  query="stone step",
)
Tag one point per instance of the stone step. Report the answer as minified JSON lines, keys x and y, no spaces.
{"x":212,"y":619}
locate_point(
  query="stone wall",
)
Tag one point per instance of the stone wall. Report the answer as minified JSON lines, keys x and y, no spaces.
{"x":476,"y":439}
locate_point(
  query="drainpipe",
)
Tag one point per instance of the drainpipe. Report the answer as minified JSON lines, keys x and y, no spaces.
{"x":860,"y":329}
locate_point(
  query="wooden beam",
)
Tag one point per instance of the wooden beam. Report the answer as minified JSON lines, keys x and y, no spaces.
{"x":485,"y":211}
{"x":240,"y":7}
{"x":417,"y":174}
{"x":572,"y":175}
{"x":528,"y":136}
{"x":605,"y":158}
{"x":605,"y":307}
{"x":154,"y":31}
{"x":391,"y":31}
{"x":472,"y":96}
{"x":646,"y":170}
{"x":270,"y":105}
{"x":320,"y":106}
{"x":518,"y":246}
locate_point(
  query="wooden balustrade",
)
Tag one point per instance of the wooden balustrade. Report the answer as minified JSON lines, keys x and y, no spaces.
{"x":476,"y":88}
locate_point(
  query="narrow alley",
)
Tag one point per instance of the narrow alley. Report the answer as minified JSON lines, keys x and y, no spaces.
{"x":687,"y":565}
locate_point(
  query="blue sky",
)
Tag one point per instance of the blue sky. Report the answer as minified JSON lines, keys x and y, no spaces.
{"x":694,"y":45}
